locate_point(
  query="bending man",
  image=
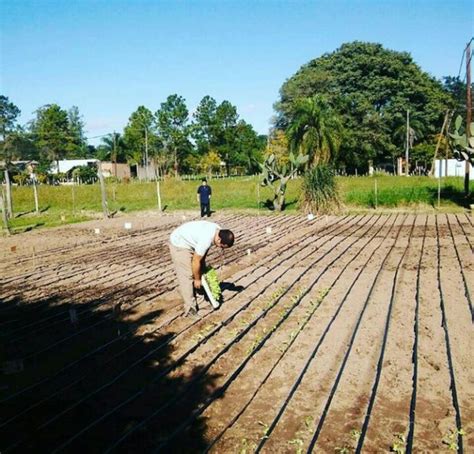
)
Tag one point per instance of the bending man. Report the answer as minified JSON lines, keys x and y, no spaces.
{"x":189,"y":244}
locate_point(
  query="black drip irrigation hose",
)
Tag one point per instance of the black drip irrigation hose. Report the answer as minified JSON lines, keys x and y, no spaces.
{"x":293,"y":339}
{"x":218,"y":393}
{"x":466,"y":289}
{"x":183,"y":357}
{"x":365,"y":425}
{"x":230,"y":318}
{"x":444,"y":324}
{"x":91,"y":313}
{"x":468,"y":238}
{"x":414,"y":359}
{"x":351,"y":342}
{"x":314,"y":352}
{"x":138,"y":340}
{"x":116,"y":257}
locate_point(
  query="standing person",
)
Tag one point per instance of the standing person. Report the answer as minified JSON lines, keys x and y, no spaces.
{"x":204,"y":193}
{"x":189,"y":244}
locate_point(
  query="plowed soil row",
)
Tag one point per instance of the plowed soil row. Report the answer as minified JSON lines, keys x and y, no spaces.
{"x":347,"y":334}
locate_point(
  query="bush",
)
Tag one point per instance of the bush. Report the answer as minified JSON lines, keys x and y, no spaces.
{"x":319,"y":193}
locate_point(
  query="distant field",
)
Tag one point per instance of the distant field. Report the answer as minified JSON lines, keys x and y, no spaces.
{"x":66,"y":204}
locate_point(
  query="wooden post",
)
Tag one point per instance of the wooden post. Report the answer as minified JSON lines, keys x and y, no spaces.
{"x":8,"y":194}
{"x":407,"y":153}
{"x":102,"y":190}
{"x":35,"y":193}
{"x":376,"y":193}
{"x":73,"y":198}
{"x":158,"y":193}
{"x":4,"y":211}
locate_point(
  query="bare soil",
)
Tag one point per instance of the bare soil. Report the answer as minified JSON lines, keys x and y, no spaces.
{"x":340,"y":334}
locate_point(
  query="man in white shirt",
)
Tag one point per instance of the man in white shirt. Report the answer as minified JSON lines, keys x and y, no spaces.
{"x":189,"y":244}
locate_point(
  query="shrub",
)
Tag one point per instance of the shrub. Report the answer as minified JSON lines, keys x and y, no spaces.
{"x":319,"y":193}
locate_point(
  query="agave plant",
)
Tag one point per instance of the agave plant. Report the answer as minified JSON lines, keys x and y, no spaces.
{"x":462,"y":146}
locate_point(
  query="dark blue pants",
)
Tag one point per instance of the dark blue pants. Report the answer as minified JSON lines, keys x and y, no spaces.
{"x":205,"y":209}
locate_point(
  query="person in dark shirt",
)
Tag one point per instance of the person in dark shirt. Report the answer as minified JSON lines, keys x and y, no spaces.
{"x":204,"y":198}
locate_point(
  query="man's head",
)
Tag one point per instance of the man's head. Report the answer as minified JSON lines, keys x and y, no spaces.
{"x":204,"y":181}
{"x":224,"y":238}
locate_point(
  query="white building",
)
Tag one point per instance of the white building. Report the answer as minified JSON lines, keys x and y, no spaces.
{"x":455,"y":168}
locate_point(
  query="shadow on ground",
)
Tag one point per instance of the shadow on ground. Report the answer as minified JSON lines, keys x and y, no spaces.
{"x":77,"y":376}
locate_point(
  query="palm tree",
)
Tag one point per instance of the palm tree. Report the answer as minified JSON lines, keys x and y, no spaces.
{"x":314,"y":129}
{"x":113,"y":147}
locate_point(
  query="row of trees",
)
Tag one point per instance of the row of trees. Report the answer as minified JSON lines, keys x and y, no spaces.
{"x":170,"y":138}
{"x":347,"y":108}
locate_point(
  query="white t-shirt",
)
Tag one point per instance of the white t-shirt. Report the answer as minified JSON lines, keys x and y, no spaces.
{"x":196,"y":236}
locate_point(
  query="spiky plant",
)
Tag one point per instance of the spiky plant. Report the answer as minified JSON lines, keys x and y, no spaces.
{"x":320,"y":193}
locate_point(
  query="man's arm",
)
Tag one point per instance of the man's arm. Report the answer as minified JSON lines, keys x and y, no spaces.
{"x":197,"y":272}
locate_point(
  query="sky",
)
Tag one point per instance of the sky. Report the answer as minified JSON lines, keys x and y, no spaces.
{"x":110,"y":56}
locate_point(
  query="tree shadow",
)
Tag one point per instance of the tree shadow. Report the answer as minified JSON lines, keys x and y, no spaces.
{"x":67,"y":365}
{"x":453,"y":194}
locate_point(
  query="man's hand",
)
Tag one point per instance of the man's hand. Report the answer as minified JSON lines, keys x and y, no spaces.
{"x":197,"y":283}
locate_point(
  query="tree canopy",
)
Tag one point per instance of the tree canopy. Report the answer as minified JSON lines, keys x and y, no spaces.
{"x":370,"y":88}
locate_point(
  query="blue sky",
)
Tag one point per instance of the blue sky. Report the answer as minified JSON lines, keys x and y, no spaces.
{"x":109,"y":56}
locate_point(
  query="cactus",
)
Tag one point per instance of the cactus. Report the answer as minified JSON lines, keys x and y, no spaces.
{"x":463,"y":148}
{"x":277,"y":177}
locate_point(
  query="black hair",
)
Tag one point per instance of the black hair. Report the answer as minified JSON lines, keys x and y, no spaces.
{"x":204,"y":180}
{"x":227,"y":237}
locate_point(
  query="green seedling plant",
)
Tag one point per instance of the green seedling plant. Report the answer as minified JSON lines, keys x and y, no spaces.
{"x":399,"y":444}
{"x":266,"y":427}
{"x":298,"y":444}
{"x":451,"y":438}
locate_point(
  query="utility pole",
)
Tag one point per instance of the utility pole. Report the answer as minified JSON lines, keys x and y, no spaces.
{"x":468,"y":115}
{"x":408,"y":144}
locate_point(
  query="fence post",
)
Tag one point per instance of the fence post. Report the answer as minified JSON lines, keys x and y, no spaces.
{"x":376,"y":193}
{"x":35,"y":193}
{"x":4,"y":211}
{"x":102,"y":190}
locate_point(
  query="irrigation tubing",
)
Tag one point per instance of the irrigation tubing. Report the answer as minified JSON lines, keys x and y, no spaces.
{"x":293,"y":339}
{"x":182,"y":358}
{"x":444,"y":324}
{"x":230,"y":318}
{"x":468,"y":238}
{"x":378,"y":374}
{"x":239,"y":369}
{"x":253,"y":270}
{"x":416,"y":324}
{"x":351,"y":343}
{"x":301,"y":375}
{"x":464,"y":281}
{"x":116,"y":293}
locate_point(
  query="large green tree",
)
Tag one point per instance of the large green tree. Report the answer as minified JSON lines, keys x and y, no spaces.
{"x":370,"y":88}
{"x":172,"y":120}
{"x":51,"y":133}
{"x":77,"y":147}
{"x":204,"y":126}
{"x":140,"y":136}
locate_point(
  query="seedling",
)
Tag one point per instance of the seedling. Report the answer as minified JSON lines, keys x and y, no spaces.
{"x":451,"y":438}
{"x":298,"y":443}
{"x":266,"y":428}
{"x":398,"y":445}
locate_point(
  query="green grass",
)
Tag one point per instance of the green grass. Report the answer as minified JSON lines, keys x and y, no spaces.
{"x":67,"y":204}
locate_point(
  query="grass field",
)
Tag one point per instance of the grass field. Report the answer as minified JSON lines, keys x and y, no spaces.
{"x":66,"y":204}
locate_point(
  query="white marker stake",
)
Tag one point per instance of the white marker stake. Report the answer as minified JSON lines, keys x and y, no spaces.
{"x":128,"y":226}
{"x":249,"y":251}
{"x":97,"y":231}
{"x":310,"y":216}
{"x":269,"y":230}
